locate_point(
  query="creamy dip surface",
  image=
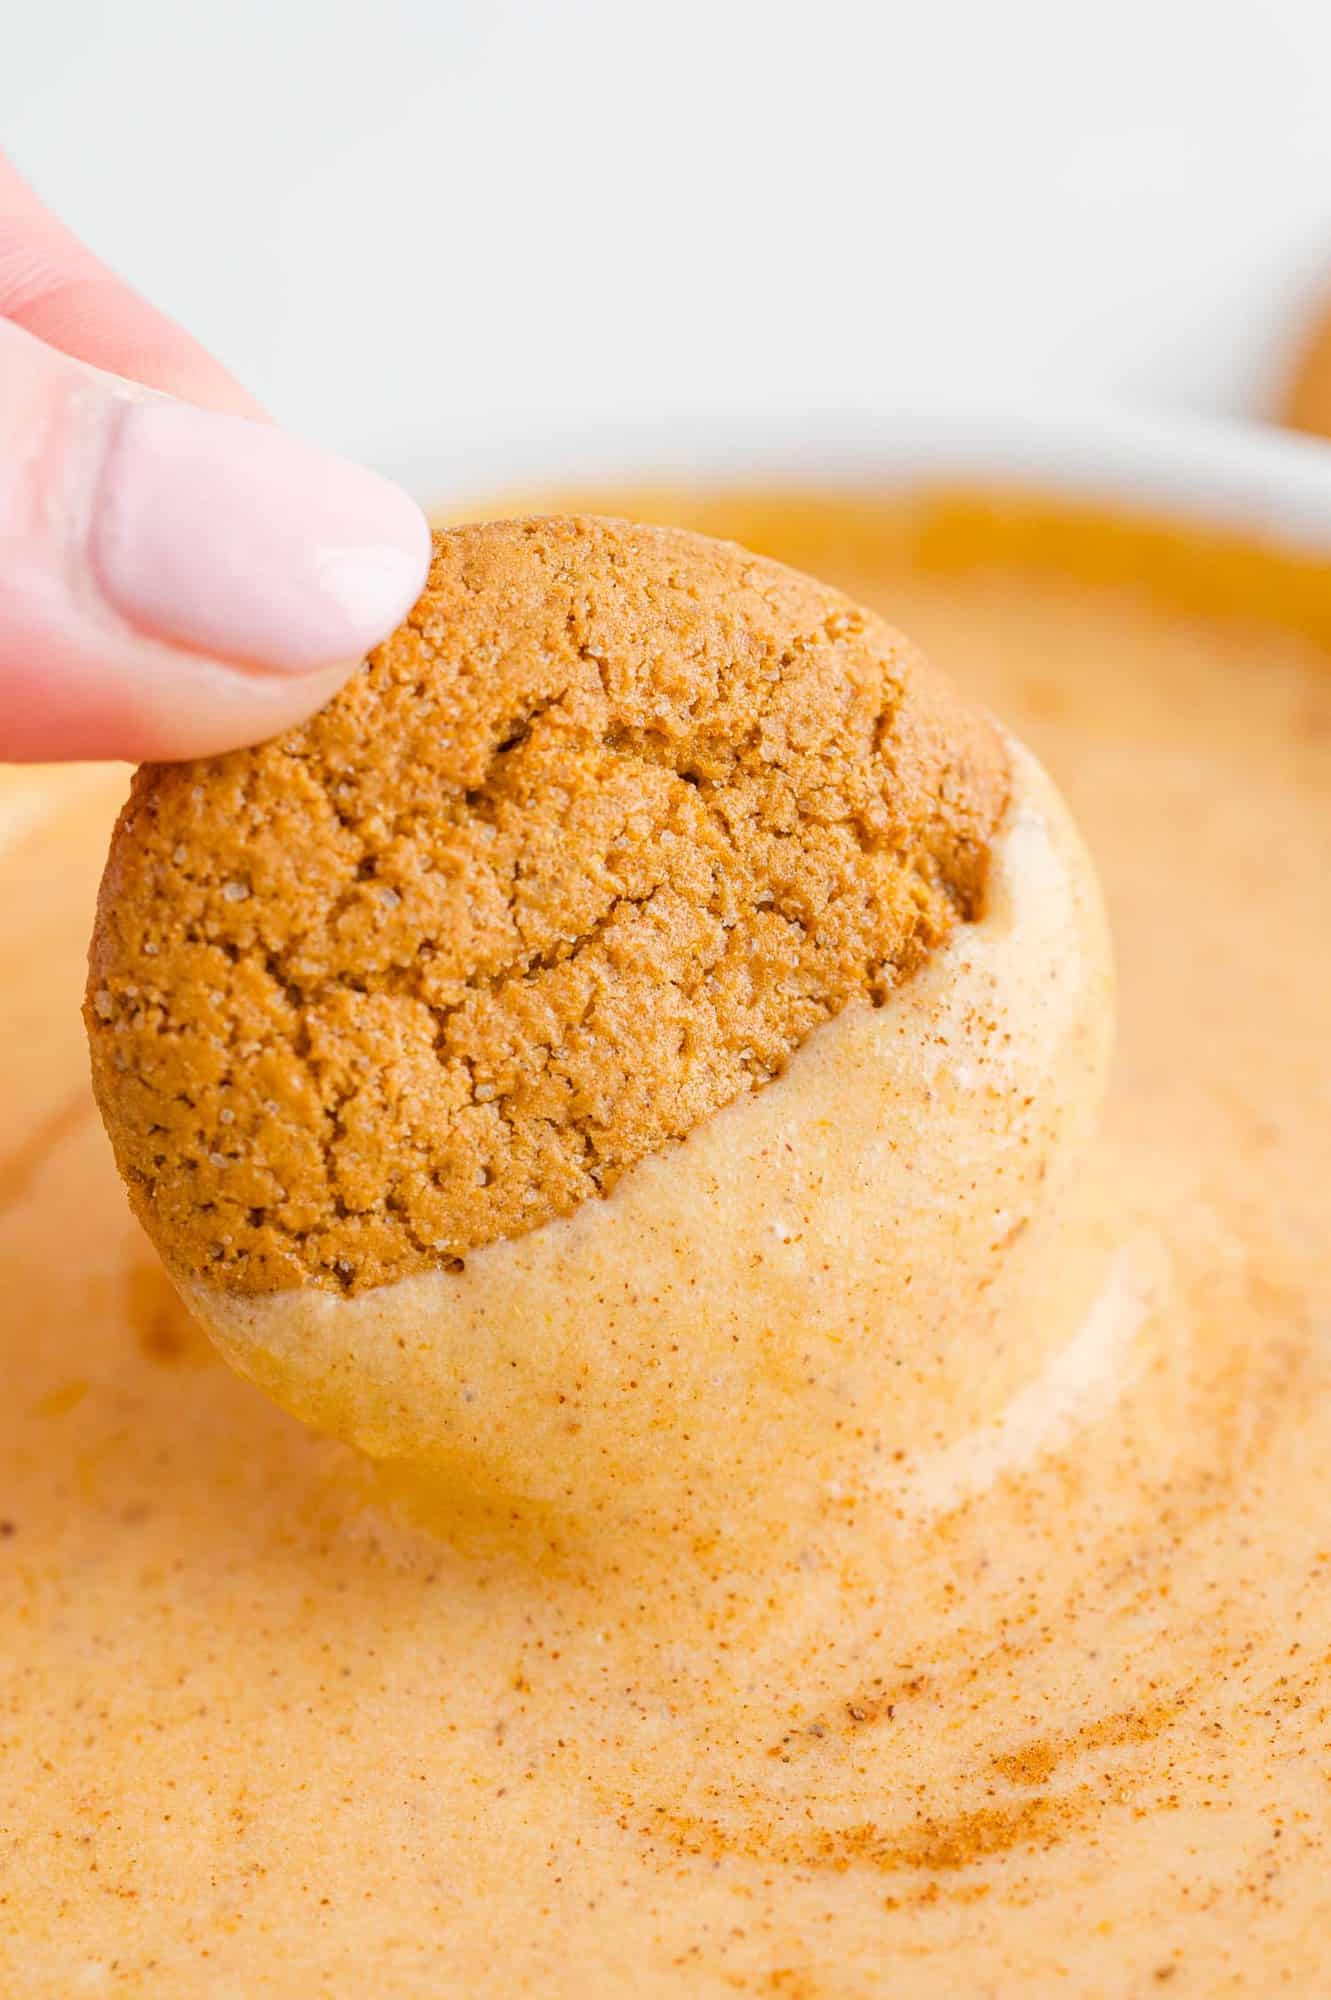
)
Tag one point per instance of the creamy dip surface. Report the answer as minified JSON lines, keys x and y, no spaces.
{"x":1044,"y":1708}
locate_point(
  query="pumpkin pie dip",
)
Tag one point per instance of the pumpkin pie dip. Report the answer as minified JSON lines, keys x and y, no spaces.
{"x":849,"y":1480}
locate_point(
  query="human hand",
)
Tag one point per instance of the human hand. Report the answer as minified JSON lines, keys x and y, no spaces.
{"x":177,"y":576}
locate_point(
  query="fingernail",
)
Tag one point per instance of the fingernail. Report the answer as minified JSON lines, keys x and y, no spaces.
{"x":234,"y":539}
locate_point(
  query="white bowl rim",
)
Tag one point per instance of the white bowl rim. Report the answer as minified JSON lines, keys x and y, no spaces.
{"x":1227,"y":473}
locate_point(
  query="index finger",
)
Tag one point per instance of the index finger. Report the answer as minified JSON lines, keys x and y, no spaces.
{"x":54,"y":287}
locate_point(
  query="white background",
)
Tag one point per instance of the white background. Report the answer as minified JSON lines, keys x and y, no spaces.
{"x":414,"y":228}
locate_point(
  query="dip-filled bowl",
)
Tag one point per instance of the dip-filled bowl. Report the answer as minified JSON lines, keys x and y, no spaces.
{"x":1033,"y":1693}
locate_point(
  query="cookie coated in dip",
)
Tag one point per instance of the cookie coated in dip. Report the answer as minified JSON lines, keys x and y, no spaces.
{"x":646,"y":1017}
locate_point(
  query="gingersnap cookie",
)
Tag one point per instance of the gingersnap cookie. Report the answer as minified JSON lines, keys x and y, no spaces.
{"x":640,"y":1014}
{"x":583,"y":854}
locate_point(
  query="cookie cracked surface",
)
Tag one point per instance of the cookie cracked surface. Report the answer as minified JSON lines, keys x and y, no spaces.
{"x":583,"y":853}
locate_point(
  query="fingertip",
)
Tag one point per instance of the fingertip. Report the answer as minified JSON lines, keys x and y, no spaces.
{"x":64,"y":702}
{"x":178,"y":581}
{"x":245,"y":544}
{"x":216,"y":707}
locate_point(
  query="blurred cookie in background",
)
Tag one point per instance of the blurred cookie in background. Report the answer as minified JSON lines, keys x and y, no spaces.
{"x":1305,"y":402}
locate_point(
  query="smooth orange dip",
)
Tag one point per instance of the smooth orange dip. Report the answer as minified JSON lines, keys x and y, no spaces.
{"x":1029,"y":1692}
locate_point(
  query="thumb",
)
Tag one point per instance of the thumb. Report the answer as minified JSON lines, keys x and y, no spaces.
{"x":175,"y":581}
